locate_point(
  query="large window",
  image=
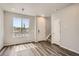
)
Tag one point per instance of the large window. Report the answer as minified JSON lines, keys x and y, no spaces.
{"x":20,"y":26}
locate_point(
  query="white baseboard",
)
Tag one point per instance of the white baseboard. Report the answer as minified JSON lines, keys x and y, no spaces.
{"x":69,"y":49}
{"x":66,"y":48}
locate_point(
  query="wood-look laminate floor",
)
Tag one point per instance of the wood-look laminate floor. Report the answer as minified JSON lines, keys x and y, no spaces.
{"x":35,"y":49}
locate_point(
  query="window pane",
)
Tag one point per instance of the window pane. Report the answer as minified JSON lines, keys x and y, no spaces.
{"x":16,"y":22}
{"x":26,"y":23}
{"x":25,"y":26}
{"x":16,"y":25}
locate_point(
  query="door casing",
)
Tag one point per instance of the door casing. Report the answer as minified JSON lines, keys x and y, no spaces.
{"x":55,"y":24}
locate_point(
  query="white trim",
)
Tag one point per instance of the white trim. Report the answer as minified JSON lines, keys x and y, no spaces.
{"x":36,"y":29}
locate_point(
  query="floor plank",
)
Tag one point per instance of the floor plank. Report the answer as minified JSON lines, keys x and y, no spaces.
{"x":35,"y":49}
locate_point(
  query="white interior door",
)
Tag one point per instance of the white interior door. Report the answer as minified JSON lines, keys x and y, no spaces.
{"x":56,"y":31}
{"x":40,"y":28}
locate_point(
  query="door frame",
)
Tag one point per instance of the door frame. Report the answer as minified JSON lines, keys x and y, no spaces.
{"x":52,"y":30}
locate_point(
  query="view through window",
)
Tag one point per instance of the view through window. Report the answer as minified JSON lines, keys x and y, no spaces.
{"x":20,"y":26}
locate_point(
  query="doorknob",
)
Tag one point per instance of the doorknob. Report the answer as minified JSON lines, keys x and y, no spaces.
{"x":38,"y":30}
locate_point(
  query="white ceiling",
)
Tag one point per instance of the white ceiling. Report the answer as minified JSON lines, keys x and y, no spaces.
{"x":34,"y":8}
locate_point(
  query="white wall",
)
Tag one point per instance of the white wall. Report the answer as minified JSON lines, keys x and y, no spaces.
{"x":9,"y":39}
{"x":69,"y":18}
{"x":1,"y":29}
